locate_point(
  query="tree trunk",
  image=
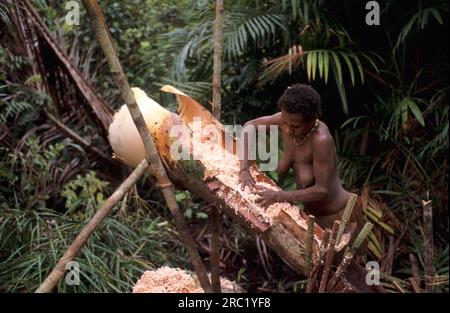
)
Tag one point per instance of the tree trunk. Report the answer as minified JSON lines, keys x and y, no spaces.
{"x":282,"y":226}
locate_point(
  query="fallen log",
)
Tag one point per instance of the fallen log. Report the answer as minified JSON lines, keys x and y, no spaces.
{"x":283,"y":226}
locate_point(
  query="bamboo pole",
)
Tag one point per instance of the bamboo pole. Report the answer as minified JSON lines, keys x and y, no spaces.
{"x":348,"y":257}
{"x":71,"y":252}
{"x":428,"y":244}
{"x":330,"y":256}
{"x":346,"y":216}
{"x":320,"y":263}
{"x":216,"y":85}
{"x":309,"y":242}
{"x":101,"y":30}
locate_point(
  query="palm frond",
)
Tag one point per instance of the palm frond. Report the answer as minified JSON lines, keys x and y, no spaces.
{"x":4,"y":13}
{"x":244,"y":28}
{"x":249,"y":73}
{"x":304,"y":11}
{"x":277,"y":66}
{"x":318,"y":64}
{"x":419,"y":20}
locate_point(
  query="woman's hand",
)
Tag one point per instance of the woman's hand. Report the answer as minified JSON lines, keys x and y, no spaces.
{"x":268,"y":197}
{"x":246,"y":179}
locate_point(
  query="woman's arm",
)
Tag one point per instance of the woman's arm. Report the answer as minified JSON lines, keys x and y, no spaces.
{"x":245,"y":177}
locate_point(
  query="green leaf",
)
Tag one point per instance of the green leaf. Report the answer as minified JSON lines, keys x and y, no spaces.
{"x":188,"y":213}
{"x":201,"y":215}
{"x":337,"y":70}
{"x":326,"y":61}
{"x":350,"y":68}
{"x":320,"y":61}
{"x":290,"y":61}
{"x":341,"y":88}
{"x":437,"y":15}
{"x":99,"y":198}
{"x":314,"y":64}
{"x":359,"y":66}
{"x":416,"y":112}
{"x":181,"y":196}
{"x":404,"y":110}
{"x":308,"y":65}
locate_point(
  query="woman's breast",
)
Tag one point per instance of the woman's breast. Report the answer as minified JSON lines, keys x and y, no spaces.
{"x":304,"y":175}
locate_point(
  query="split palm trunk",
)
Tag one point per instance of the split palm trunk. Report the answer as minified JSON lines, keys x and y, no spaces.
{"x":212,"y":170}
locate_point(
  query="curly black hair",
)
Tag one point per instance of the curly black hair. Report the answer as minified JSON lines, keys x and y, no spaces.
{"x":301,"y":98}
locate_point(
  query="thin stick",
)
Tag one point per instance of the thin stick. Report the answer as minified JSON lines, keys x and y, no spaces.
{"x":330,"y":257}
{"x":215,"y":216}
{"x":348,"y":257}
{"x":341,"y":269}
{"x":415,"y":287}
{"x":346,"y":216}
{"x":78,"y":138}
{"x":60,"y":268}
{"x":398,"y":287}
{"x":309,"y":243}
{"x":317,"y":268}
{"x":414,"y":269}
{"x":123,"y":207}
{"x":97,"y":19}
{"x":428,"y":244}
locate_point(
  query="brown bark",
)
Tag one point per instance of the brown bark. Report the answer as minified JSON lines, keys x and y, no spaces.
{"x":218,"y":34}
{"x":309,"y":242}
{"x":330,"y":257}
{"x":284,"y":235}
{"x":414,"y":286}
{"x":349,"y":254}
{"x":414,"y":269}
{"x":317,"y":268}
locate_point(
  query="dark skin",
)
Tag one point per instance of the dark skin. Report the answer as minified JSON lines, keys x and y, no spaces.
{"x":314,"y":164}
{"x":315,"y":168}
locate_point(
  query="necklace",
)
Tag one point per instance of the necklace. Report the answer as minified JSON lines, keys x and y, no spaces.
{"x":299,"y":144}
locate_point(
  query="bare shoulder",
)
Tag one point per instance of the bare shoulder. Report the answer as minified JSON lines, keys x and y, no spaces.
{"x":267,"y":120}
{"x":276,"y":118}
{"x":323,"y":140}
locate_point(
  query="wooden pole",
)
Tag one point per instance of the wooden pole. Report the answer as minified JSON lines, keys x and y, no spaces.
{"x":98,"y":22}
{"x":215,"y":214}
{"x":317,"y":268}
{"x":348,"y":257}
{"x":217,"y":103}
{"x":330,"y":257}
{"x":414,"y":269}
{"x":60,"y":268}
{"x":309,"y":242}
{"x":428,"y":244}
{"x":414,"y":286}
